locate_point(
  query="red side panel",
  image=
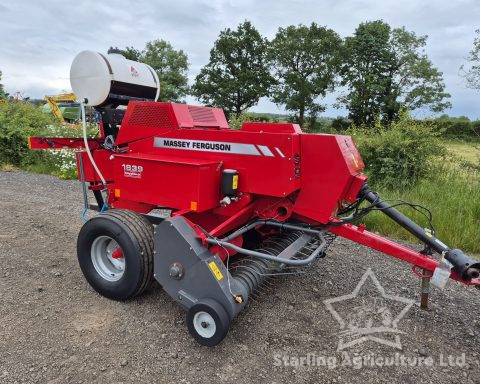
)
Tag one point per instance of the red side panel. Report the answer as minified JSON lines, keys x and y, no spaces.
{"x":168,"y":181}
{"x":330,"y":164}
{"x":104,"y":161}
{"x":265,"y":162}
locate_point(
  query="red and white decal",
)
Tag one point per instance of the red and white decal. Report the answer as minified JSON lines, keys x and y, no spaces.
{"x":206,"y":146}
{"x":265,"y":150}
{"x":216,"y":146}
{"x":132,"y":171}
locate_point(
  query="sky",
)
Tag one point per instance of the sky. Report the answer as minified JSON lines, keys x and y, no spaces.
{"x":40,"y":38}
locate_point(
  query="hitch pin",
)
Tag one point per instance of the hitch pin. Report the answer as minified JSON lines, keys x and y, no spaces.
{"x":425,"y":290}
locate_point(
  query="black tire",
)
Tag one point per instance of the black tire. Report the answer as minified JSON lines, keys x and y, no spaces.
{"x":134,"y":235}
{"x":219,"y":316}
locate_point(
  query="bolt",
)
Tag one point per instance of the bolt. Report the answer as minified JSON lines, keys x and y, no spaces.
{"x":204,"y":324}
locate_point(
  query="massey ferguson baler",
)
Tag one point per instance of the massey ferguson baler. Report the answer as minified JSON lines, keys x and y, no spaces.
{"x":210,"y":212}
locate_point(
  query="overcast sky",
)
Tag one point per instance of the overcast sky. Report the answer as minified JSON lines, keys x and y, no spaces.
{"x":39,"y":38}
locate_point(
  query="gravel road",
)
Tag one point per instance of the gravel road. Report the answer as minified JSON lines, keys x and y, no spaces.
{"x":56,"y":329}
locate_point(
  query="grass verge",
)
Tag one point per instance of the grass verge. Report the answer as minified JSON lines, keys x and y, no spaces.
{"x":453,"y":196}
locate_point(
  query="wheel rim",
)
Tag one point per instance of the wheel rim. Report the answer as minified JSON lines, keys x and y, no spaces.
{"x":204,"y":324}
{"x":108,"y":267}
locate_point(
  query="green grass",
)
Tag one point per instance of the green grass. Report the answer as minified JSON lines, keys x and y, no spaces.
{"x":43,"y":168}
{"x":452,"y":193}
{"x":469,"y":151}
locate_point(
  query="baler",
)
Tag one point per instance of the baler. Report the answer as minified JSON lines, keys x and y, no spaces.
{"x":210,"y":212}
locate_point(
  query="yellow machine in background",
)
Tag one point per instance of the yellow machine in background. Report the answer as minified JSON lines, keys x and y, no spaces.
{"x":53,"y":100}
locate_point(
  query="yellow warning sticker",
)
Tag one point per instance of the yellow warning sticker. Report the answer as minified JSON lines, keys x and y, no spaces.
{"x":215,"y":270}
{"x":235,"y":182}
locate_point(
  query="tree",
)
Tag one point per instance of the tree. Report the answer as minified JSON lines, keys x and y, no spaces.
{"x":305,"y":61}
{"x":237,"y":75}
{"x":471,"y":72}
{"x":365,"y":58}
{"x":129,"y":53}
{"x":385,"y":71}
{"x":2,"y":91}
{"x":170,"y":65}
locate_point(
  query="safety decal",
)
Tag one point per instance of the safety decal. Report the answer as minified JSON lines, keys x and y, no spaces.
{"x":215,"y":270}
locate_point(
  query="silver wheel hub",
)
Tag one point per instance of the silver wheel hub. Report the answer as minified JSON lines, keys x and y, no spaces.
{"x":204,"y":324}
{"x":108,"y":267}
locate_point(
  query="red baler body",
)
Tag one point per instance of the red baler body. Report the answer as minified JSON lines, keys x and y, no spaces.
{"x":181,"y":150}
{"x":172,"y":156}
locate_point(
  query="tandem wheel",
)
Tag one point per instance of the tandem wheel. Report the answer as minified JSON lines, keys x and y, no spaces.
{"x":208,"y":322}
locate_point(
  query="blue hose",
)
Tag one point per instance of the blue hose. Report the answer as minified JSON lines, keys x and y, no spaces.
{"x":83,"y":215}
{"x":104,"y":208}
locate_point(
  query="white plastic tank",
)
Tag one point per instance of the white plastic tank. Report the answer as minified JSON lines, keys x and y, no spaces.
{"x":111,"y":79}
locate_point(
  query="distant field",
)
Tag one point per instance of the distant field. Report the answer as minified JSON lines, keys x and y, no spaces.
{"x":452,"y":193}
{"x":469,"y":151}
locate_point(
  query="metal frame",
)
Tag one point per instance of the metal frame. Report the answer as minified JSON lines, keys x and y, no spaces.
{"x":359,"y":235}
{"x":281,"y":258}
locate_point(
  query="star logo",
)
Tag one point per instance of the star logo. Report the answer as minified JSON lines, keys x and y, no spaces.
{"x":372,"y":317}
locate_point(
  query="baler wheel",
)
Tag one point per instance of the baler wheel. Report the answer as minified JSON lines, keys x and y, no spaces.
{"x":208,"y":322}
{"x":115,"y":253}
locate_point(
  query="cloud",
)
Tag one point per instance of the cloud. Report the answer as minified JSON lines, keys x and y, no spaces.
{"x":40,"y":39}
